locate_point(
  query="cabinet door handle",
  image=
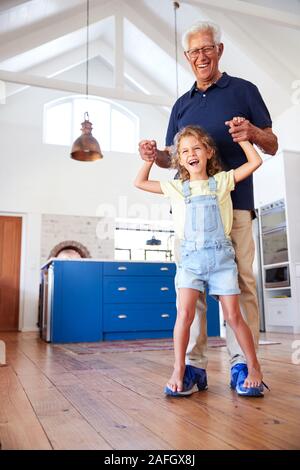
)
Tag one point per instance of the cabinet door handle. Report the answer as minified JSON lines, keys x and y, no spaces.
{"x":122,"y":317}
{"x":122,"y":288}
{"x":165,"y":315}
{"x":122,"y":268}
{"x":164,"y":268}
{"x":164,"y":288}
{"x":279,"y":312}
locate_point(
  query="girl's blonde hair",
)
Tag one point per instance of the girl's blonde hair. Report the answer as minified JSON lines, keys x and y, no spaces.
{"x":213,"y":164}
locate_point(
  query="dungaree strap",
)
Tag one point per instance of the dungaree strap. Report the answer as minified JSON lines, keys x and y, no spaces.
{"x":186,"y":189}
{"x":212,"y":184}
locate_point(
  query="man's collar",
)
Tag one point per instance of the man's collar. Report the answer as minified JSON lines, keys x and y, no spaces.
{"x":221,"y":83}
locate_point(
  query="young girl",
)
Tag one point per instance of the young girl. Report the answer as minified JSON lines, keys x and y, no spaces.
{"x":202,"y":212}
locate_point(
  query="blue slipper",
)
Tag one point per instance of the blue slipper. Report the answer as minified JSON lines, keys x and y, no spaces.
{"x":239,"y":373}
{"x":194,"y":380}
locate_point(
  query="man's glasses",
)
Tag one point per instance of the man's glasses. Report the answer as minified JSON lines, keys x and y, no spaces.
{"x":206,"y":50}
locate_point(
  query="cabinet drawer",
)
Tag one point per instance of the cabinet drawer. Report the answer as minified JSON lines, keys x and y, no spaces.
{"x":142,"y":317}
{"x":279,"y":312}
{"x":139,"y":269}
{"x":138,"y":289}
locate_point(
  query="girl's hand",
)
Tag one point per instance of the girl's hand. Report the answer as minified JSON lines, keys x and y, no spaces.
{"x":148,"y":150}
{"x":240,"y":129}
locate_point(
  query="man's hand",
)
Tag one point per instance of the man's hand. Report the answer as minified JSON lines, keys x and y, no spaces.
{"x":148,"y":150}
{"x":241,"y":129}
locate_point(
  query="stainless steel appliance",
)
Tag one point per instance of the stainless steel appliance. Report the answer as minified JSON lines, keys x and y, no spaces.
{"x":47,"y":287}
{"x":273,"y":230}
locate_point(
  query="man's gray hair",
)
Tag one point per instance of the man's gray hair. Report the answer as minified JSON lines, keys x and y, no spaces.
{"x":199,"y":27}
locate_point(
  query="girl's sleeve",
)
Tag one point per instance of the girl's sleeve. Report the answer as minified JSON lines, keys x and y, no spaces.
{"x":225,"y":183}
{"x":166,"y":188}
{"x":170,"y":188}
{"x":230,"y":183}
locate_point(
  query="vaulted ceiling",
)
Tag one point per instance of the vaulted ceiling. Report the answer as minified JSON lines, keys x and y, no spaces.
{"x":41,"y":39}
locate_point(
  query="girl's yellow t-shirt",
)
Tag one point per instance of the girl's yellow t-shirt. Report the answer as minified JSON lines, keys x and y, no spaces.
{"x":225,"y":184}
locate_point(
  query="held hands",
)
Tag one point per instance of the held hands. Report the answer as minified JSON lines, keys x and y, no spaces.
{"x":148,"y":150}
{"x":241,"y":129}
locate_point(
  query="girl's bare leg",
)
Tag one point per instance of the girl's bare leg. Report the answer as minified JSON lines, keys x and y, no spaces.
{"x":232,"y":315}
{"x":185,"y":316}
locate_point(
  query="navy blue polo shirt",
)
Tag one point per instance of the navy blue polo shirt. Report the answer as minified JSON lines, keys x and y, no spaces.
{"x":228,"y":97}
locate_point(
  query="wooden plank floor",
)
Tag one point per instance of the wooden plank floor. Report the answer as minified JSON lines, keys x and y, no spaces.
{"x":55,"y":399}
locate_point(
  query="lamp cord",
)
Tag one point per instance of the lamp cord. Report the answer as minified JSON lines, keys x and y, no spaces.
{"x":87,"y":47}
{"x":176,"y":6}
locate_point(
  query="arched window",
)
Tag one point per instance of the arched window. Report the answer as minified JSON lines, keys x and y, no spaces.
{"x":114,"y":126}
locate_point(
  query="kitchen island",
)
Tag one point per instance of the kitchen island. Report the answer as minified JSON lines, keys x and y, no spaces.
{"x":91,"y":300}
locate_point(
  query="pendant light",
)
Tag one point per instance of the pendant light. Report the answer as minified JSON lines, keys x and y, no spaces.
{"x":86,"y":148}
{"x":153,"y":241}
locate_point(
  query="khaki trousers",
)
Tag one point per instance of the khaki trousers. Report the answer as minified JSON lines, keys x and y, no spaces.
{"x":242,"y":240}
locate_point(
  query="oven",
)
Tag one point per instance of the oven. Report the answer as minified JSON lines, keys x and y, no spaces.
{"x":274,"y":233}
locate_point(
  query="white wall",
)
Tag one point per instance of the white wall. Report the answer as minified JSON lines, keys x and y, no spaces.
{"x":42,"y":178}
{"x":287,"y":127}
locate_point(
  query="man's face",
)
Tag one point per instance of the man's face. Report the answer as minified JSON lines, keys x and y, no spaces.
{"x":206,"y":65}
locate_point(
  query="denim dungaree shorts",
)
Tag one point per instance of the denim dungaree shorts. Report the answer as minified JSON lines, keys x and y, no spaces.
{"x":207,"y":257}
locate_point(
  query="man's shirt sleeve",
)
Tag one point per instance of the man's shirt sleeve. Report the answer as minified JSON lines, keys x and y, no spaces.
{"x":259,"y":113}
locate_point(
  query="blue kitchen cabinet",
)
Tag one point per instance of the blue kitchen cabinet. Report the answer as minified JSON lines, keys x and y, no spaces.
{"x":139,"y":300}
{"x":119,"y":268}
{"x":89,"y":301}
{"x":76,"y":302}
{"x":213,"y":318}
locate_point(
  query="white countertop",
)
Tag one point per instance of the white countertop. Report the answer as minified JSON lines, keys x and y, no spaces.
{"x":93,"y":260}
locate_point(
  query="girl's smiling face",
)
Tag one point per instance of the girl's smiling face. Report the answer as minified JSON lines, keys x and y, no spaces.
{"x":193,"y":156}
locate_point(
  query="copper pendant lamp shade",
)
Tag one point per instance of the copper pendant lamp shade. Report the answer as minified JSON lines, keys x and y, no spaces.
{"x":86,"y":148}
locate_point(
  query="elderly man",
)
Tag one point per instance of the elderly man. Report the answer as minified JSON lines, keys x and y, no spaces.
{"x":211,"y":103}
